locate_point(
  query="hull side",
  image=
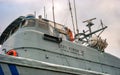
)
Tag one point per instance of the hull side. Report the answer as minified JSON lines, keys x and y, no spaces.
{"x":22,"y":66}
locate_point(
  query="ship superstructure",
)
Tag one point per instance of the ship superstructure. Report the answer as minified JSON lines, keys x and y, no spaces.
{"x":34,"y":46}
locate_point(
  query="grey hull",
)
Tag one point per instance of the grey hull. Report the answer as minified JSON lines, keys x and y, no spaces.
{"x":22,"y":66}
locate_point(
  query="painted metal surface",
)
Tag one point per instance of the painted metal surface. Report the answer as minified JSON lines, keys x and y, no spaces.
{"x":25,"y":66}
{"x":35,"y":55}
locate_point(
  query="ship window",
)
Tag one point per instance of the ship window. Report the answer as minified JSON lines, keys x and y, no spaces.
{"x":23,"y":22}
{"x":43,"y":25}
{"x":12,"y":31}
{"x":28,"y":23}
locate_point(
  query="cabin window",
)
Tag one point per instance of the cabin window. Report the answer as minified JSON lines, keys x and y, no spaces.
{"x":43,"y":25}
{"x":28,"y":23}
{"x":12,"y":31}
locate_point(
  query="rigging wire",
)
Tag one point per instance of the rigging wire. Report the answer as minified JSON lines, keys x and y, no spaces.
{"x":66,"y":22}
{"x":65,"y":18}
{"x":71,"y":16}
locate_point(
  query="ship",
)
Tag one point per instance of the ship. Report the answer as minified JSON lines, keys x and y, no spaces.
{"x":37,"y":46}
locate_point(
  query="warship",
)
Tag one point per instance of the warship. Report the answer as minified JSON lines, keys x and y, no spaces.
{"x":38,"y":46}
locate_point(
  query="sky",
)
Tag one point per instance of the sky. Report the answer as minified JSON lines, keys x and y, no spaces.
{"x":107,"y":10}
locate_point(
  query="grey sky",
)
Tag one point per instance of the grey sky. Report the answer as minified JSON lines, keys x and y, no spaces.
{"x":107,"y":10}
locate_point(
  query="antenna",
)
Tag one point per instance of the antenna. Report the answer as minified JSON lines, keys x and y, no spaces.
{"x":71,"y":16}
{"x":89,"y":23}
{"x":35,"y":14}
{"x":101,"y":23}
{"x":89,"y":20}
{"x":53,"y":13}
{"x":44,"y":12}
{"x":76,"y":17}
{"x":102,"y":27}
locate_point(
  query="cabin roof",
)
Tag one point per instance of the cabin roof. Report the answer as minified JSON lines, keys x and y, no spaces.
{"x":17,"y":22}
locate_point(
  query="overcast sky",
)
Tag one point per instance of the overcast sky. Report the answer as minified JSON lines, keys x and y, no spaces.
{"x":107,"y":10}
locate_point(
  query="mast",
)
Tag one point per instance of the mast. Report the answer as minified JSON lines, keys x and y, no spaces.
{"x":53,"y":13}
{"x":45,"y":16}
{"x":35,"y":14}
{"x":44,"y":11}
{"x":76,"y":17}
{"x":71,"y":16}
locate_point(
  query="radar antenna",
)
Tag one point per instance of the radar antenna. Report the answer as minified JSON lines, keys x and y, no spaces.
{"x":89,"y":23}
{"x":84,"y":35}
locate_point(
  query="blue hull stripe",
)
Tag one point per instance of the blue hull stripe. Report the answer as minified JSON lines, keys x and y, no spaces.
{"x":1,"y":71}
{"x":13,"y":69}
